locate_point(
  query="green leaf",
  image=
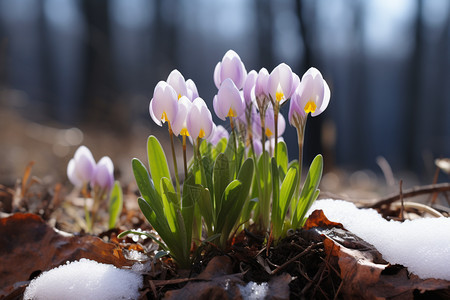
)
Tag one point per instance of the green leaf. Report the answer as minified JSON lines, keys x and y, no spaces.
{"x":309,"y":190}
{"x":276,"y":210}
{"x":230,"y":148}
{"x":219,"y":148}
{"x":205,"y":148}
{"x":169,"y":200}
{"x":115,"y":204}
{"x":235,"y":201}
{"x":308,"y":206}
{"x":161,"y":253}
{"x":230,"y":193}
{"x":182,"y":234}
{"x":221,"y":179}
{"x":146,"y":187}
{"x":282,"y":158}
{"x":157,"y":162}
{"x":287,"y":190}
{"x":159,"y":223}
{"x":191,"y":192}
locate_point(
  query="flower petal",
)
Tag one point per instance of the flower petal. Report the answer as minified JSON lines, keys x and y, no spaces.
{"x":177,"y":82}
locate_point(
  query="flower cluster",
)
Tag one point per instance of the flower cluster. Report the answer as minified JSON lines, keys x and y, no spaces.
{"x":237,"y":177}
{"x":83,"y":172}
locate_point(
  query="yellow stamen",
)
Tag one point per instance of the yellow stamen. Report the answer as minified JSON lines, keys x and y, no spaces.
{"x":184,"y":132}
{"x":231,"y":113}
{"x":268,"y":132}
{"x":164,"y":117}
{"x":201,"y":134}
{"x":179,"y":96}
{"x":279,"y":96}
{"x":310,"y":107}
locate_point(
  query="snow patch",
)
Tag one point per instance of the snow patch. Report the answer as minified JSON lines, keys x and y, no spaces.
{"x":421,"y":245}
{"x":254,"y":291}
{"x":85,"y":279}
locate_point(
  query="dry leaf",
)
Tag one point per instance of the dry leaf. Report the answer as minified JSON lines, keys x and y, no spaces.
{"x":29,"y":246}
{"x":365,"y":275}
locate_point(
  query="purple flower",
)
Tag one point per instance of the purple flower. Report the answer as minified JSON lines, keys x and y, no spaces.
{"x":249,"y":86}
{"x":270,"y":123}
{"x":81,"y":167}
{"x":231,"y":67}
{"x":314,"y":92}
{"x":280,"y":83}
{"x":219,"y":132}
{"x":261,"y":85}
{"x":104,"y":174}
{"x":164,"y":105}
{"x":192,"y":91}
{"x":176,"y":80}
{"x":311,"y":96}
{"x":295,"y":83}
{"x":257,"y":146}
{"x":296,"y":112}
{"x":179,"y":126}
{"x":199,"y":120}
{"x":228,"y":102}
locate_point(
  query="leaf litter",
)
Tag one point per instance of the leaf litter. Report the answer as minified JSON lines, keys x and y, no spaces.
{"x":322,"y":261}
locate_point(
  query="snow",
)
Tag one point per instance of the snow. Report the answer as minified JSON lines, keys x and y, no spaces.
{"x":254,"y":291}
{"x":421,"y":245}
{"x":85,"y":279}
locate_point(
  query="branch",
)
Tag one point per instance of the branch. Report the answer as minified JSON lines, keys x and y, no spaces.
{"x":426,"y":189}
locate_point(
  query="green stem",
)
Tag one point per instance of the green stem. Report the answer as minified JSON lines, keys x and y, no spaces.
{"x":275,"y":119}
{"x":262,"y":116}
{"x":300,"y":124}
{"x":87,"y":214}
{"x":235,"y":146}
{"x":175,"y":166}
{"x":184,"y":157}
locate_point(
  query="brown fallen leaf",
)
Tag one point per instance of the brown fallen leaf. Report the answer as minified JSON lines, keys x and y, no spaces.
{"x":364,"y":273}
{"x":29,"y":246}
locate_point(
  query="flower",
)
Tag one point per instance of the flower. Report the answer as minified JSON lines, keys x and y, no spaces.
{"x":261,"y":85}
{"x":164,"y":105}
{"x":179,"y":126}
{"x":280,"y":83}
{"x":231,"y":67}
{"x":103,"y":176}
{"x":295,"y":83}
{"x":199,"y":120}
{"x":311,"y":96}
{"x":228,"y":102}
{"x":249,"y":86}
{"x":296,"y":112}
{"x":219,"y":132}
{"x":257,"y":146}
{"x":270,"y":123}
{"x":176,"y":80}
{"x":192,"y":91}
{"x":314,"y":92}
{"x":81,"y":167}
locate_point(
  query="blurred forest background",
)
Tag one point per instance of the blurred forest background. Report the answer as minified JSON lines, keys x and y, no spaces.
{"x":83,"y":72}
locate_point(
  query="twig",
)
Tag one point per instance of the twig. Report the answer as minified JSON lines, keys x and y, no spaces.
{"x":435,"y":179}
{"x":421,"y":190}
{"x":402,"y":207}
{"x":294,"y":258}
{"x":309,"y":284}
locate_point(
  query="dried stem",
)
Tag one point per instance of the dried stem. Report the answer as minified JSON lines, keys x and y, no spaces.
{"x":416,"y":191}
